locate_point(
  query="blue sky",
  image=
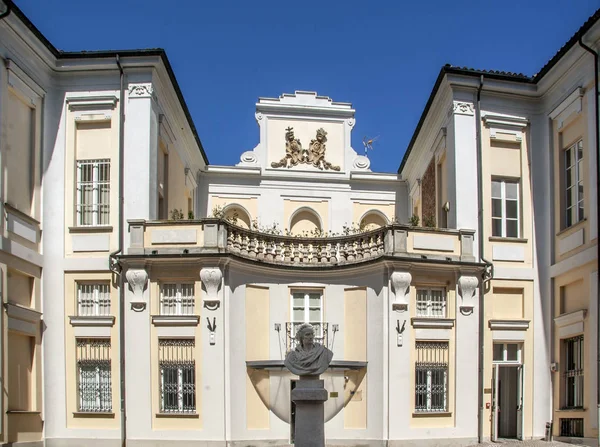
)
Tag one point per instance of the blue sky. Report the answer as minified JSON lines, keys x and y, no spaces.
{"x":382,"y":56}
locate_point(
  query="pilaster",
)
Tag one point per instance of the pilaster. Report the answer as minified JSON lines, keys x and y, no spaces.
{"x":467,"y":349}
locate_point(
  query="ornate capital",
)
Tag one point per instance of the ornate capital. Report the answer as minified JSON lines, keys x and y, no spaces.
{"x":401,"y":285}
{"x":258,"y":116}
{"x":141,"y":90}
{"x":211,"y":278}
{"x":350,"y":122}
{"x":467,"y":287}
{"x":137,"y":279}
{"x":463,"y":108}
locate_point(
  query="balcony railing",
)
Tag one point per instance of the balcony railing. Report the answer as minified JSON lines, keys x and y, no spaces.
{"x":321,"y":330}
{"x":216,"y":236}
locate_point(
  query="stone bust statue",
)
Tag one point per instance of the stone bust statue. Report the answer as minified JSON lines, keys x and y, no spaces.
{"x":309,"y":358}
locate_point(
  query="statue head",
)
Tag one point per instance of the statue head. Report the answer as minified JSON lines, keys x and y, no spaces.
{"x":289,"y":134}
{"x":305,"y":335}
{"x":321,"y":135}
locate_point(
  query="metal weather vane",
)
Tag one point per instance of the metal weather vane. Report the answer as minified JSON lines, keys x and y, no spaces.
{"x":368,"y":143}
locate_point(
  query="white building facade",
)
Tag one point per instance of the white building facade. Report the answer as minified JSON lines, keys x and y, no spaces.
{"x":150,"y":297}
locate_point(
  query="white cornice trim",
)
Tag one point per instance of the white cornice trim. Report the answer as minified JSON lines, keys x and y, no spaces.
{"x":571,"y":318}
{"x":175,"y":320}
{"x":374,"y":176}
{"x":18,"y":79}
{"x":432,"y":323}
{"x":235,"y":170}
{"x":91,"y":321}
{"x":22,"y":313}
{"x":508,"y":325}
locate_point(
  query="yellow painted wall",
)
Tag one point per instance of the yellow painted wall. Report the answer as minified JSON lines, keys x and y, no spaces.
{"x":432,"y":420}
{"x":305,"y":131}
{"x":321,"y":208}
{"x":20,"y":152}
{"x":509,"y":300}
{"x":506,"y":158}
{"x":563,"y":138}
{"x":246,"y":208}
{"x":177,"y":191}
{"x":370,"y":221}
{"x":576,"y":296}
{"x":20,"y":288}
{"x":257,"y":348}
{"x":99,"y":421}
{"x":90,"y":137}
{"x":355,"y":348}
{"x":168,"y":422}
{"x":20,"y":372}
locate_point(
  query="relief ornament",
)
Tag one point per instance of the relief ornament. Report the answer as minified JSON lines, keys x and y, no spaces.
{"x":314,"y":155}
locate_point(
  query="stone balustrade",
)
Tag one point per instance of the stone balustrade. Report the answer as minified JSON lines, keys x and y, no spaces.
{"x":212,"y":235}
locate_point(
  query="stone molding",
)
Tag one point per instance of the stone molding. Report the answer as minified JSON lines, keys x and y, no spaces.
{"x":211,"y":278}
{"x":462,"y":108}
{"x":145,"y":90}
{"x":401,"y":286}
{"x":468,"y":286}
{"x":137,"y":279}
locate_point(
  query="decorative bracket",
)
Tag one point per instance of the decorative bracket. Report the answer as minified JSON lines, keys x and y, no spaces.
{"x":468,"y":286}
{"x":211,"y":329}
{"x":137,"y":279}
{"x":211,"y":278}
{"x":401,"y":285}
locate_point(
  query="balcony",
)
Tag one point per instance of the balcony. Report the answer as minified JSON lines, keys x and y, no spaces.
{"x":212,"y":236}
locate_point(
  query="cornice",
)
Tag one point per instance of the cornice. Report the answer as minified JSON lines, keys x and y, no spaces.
{"x":432,"y":323}
{"x":570,"y":318}
{"x":508,"y":325}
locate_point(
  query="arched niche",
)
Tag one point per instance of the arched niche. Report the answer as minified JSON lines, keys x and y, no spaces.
{"x":372,"y":220}
{"x":238,"y":215}
{"x":305,"y":220}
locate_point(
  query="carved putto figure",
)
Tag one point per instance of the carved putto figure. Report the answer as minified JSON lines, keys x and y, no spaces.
{"x":293,"y":151}
{"x":295,"y":154}
{"x":309,"y":358}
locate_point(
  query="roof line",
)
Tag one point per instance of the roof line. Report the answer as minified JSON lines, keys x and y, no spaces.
{"x":160,"y":52}
{"x":498,"y":75}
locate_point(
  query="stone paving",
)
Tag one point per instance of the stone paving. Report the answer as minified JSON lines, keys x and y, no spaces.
{"x":528,"y":443}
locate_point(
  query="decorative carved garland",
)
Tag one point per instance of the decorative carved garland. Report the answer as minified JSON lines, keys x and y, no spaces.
{"x":314,"y":155}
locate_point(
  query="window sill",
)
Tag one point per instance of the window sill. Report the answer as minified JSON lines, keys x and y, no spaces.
{"x":518,"y":240}
{"x":432,"y":322}
{"x":92,"y":321}
{"x":23,"y":412}
{"x":571,"y":410}
{"x":91,"y":229}
{"x":17,"y":212}
{"x":178,"y":415}
{"x":573,"y":227}
{"x":94,"y":414}
{"x":175,"y":320}
{"x":429,"y":414}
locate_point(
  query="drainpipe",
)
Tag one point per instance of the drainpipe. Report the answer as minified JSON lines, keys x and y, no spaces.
{"x":114,"y":263}
{"x":597,"y":88}
{"x":489,"y":268}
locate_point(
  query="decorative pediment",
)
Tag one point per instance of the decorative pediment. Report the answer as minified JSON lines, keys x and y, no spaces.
{"x":295,"y":154}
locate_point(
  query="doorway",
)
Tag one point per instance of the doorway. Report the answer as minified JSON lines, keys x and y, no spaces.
{"x":507,"y":392}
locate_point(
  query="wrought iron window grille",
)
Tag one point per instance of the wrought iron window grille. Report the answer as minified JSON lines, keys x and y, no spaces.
{"x":431,"y":377}
{"x":94,"y":375}
{"x":177,"y":376}
{"x":93,"y":192}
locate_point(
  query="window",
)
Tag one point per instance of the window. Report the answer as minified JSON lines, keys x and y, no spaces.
{"x":93,"y":370}
{"x":177,"y":375}
{"x":431,"y":377}
{"x":431,"y":303}
{"x":177,"y":299}
{"x":307,"y":307}
{"x":574,"y":184}
{"x":93,"y":192}
{"x":573,"y":374}
{"x":93,"y":299}
{"x":507,"y":352}
{"x":505,"y":208}
{"x":572,"y":427}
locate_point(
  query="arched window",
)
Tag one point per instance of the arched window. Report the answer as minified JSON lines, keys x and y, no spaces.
{"x":372,"y":220}
{"x":305,"y":220}
{"x":237,"y":215}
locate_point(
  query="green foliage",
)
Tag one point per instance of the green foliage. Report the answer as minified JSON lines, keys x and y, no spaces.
{"x":429,"y":221}
{"x":176,"y":214}
{"x":414,"y":220}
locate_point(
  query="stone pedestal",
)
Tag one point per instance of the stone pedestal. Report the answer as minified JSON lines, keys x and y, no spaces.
{"x":309,"y":395}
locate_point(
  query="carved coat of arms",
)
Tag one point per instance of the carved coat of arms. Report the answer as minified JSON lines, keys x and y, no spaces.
{"x":314,"y":155}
